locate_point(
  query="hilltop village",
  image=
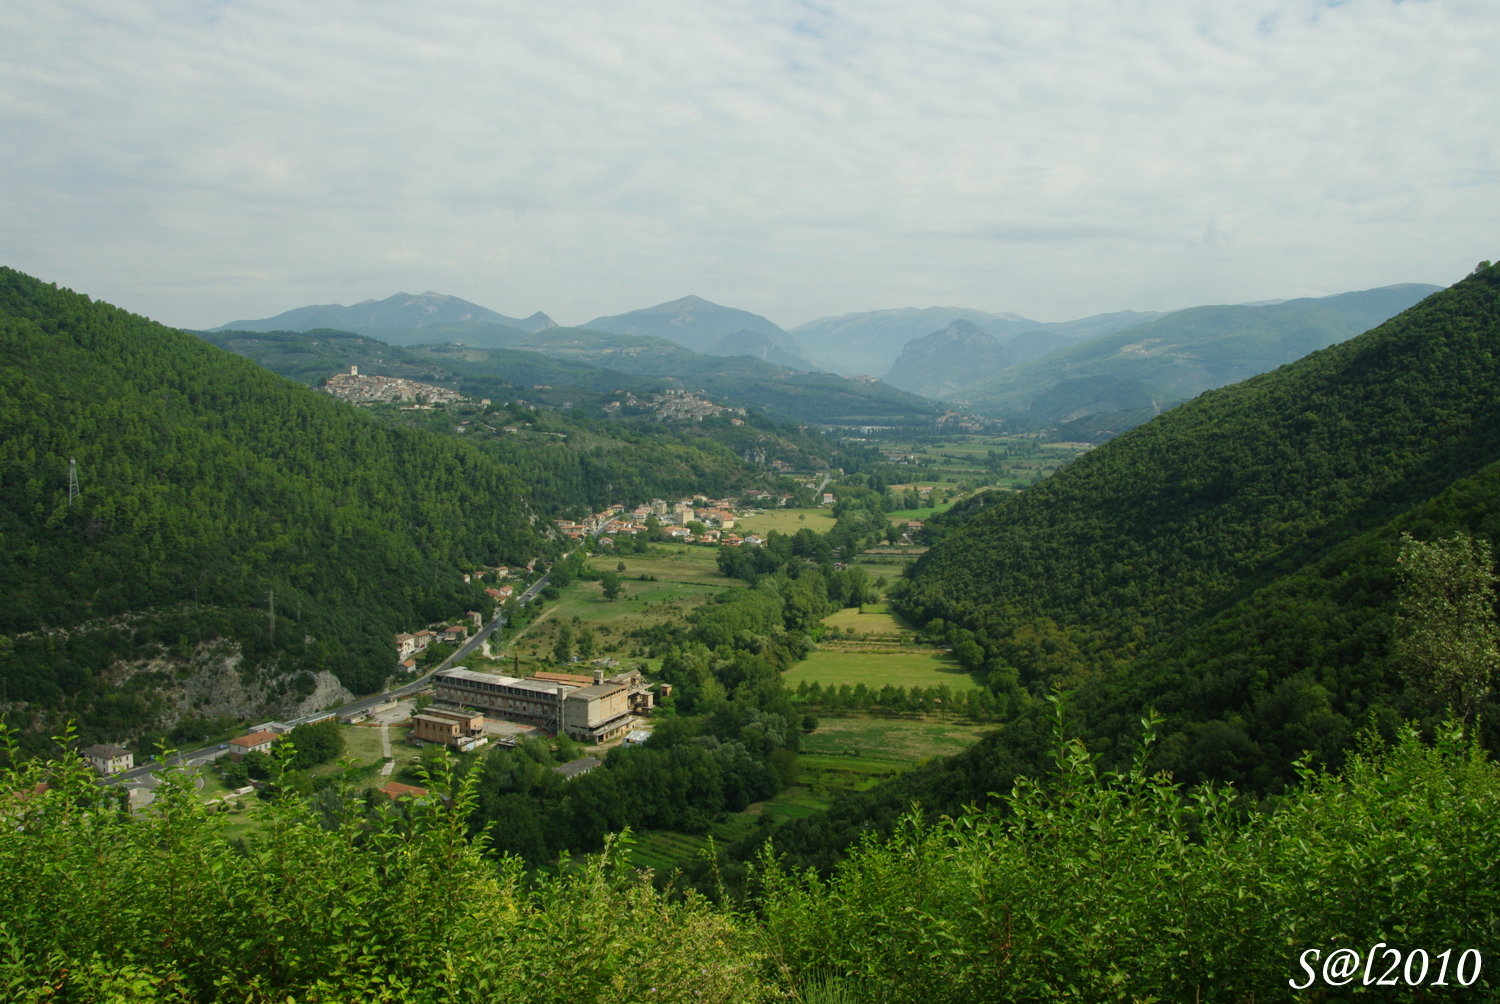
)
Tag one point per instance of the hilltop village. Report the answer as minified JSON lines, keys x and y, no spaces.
{"x":356,"y":389}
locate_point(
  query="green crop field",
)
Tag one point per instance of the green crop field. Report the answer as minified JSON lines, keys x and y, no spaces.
{"x":900,"y":668}
{"x":786,"y":521}
{"x":887,"y":739}
{"x":684,"y":577}
{"x":872,"y":618}
{"x":902,"y":515}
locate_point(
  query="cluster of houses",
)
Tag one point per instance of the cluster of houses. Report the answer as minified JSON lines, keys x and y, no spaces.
{"x":676,"y":404}
{"x":716,"y":515}
{"x":409,"y":646}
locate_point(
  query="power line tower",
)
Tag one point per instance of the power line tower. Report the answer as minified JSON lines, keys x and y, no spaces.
{"x":73,"y":490}
{"x":271,"y":598}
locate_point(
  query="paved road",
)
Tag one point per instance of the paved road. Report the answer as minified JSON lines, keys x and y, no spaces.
{"x":141,"y":776}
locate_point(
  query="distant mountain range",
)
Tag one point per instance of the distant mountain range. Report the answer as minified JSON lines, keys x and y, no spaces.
{"x":395,"y":319}
{"x":1182,"y":354}
{"x":871,"y":342}
{"x":706,"y":327}
{"x":945,"y":361}
{"x":1125,"y":366}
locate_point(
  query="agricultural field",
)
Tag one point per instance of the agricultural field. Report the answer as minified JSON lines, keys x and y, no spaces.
{"x":887,"y":739}
{"x":911,"y":667}
{"x":679,"y":578}
{"x":852,"y":754}
{"x":1023,"y":460}
{"x":363,"y":742}
{"x":903,"y":515}
{"x":787,"y":521}
{"x":872,"y":618}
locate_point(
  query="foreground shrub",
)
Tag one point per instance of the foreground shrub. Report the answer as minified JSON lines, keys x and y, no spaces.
{"x":1092,"y":887}
{"x":385,"y":903}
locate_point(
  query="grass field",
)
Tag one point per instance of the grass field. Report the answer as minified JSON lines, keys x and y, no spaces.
{"x":910,"y":668}
{"x":873,"y":618}
{"x":786,"y":521}
{"x":363,"y":741}
{"x":685,"y":577}
{"x":888,"y":739}
{"x":902,"y":515}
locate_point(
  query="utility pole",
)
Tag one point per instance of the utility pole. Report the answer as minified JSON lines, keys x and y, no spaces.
{"x":73,"y":491}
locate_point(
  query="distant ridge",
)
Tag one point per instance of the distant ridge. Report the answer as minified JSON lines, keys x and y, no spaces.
{"x":704,"y":327}
{"x":401,"y":312}
{"x":758,"y":345}
{"x":1189,"y":351}
{"x":945,"y":360}
{"x":871,"y":342}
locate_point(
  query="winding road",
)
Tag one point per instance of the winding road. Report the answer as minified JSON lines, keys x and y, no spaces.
{"x":142,"y":776}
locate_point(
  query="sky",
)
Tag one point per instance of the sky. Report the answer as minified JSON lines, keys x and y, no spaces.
{"x":203,"y":162}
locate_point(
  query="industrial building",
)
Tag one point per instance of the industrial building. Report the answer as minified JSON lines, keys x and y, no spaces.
{"x":589,"y":712}
{"x":462,"y":730}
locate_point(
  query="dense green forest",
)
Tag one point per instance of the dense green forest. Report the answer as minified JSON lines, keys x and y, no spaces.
{"x":1231,"y":564}
{"x":205,"y":483}
{"x":1079,"y":884}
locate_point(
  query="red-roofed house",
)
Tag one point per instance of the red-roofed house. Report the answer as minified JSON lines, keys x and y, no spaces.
{"x":255,"y":742}
{"x":395,"y":789}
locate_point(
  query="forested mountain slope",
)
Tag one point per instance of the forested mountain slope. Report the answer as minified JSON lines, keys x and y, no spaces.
{"x":1231,"y":564}
{"x":1237,"y":487}
{"x":204,"y":477}
{"x":1200,"y":348}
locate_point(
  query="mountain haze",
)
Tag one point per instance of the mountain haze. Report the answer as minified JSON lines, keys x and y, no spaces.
{"x":946,"y":360}
{"x":757,"y":345}
{"x":1193,"y":350}
{"x":697,"y":324}
{"x":871,"y":342}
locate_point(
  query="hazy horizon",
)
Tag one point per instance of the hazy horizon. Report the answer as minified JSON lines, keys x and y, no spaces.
{"x":204,"y":162}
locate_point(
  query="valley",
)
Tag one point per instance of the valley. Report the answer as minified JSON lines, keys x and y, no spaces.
{"x":840,"y":624}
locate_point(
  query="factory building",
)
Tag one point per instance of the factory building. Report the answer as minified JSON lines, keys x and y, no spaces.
{"x":462,"y":730}
{"x":589,"y":712}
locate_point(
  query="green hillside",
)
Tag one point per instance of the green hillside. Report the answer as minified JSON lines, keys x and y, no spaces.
{"x":1230,"y":563}
{"x":493,"y":357}
{"x":1190,"y":351}
{"x":570,"y":453}
{"x":206,"y":482}
{"x":310,"y":357}
{"x":1099,"y":572}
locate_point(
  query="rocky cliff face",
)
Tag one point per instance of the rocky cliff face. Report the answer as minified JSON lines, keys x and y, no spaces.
{"x":214,"y":681}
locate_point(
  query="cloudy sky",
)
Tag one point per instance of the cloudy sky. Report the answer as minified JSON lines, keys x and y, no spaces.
{"x":200,"y":162}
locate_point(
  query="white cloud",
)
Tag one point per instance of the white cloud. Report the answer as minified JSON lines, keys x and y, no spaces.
{"x":206,"y":161}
